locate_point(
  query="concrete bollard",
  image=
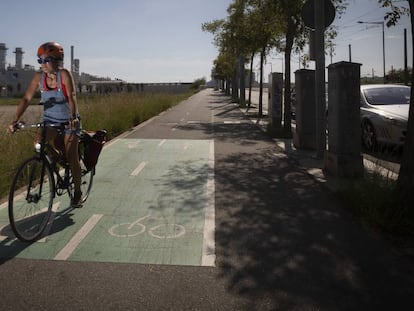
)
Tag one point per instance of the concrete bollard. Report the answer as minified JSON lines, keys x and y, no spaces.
{"x":275,"y":100}
{"x":305,"y":110}
{"x":343,"y":157}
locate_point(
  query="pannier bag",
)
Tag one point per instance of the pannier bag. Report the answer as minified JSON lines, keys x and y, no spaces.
{"x":94,"y":142}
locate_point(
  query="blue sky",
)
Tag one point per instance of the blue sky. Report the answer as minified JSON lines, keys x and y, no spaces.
{"x":366,"y":39}
{"x":162,"y":40}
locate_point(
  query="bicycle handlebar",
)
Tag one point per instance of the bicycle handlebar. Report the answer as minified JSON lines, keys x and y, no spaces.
{"x":22,"y":125}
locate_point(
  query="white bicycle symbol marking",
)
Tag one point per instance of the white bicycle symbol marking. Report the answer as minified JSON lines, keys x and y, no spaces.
{"x":161,"y":231}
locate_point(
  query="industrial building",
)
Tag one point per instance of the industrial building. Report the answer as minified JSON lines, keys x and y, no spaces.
{"x":15,"y":79}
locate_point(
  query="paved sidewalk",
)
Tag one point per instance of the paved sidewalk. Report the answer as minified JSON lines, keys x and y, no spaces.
{"x":308,"y":158}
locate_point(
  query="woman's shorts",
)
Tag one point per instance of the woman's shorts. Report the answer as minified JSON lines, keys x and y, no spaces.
{"x":70,"y":131}
{"x":67,"y":128}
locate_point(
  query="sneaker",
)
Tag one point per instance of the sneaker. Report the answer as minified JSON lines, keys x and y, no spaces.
{"x":76,"y":200}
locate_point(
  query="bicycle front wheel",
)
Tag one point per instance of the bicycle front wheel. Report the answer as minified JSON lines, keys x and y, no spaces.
{"x":30,"y":199}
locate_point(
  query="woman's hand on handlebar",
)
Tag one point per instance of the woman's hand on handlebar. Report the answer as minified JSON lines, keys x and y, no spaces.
{"x":13,"y":127}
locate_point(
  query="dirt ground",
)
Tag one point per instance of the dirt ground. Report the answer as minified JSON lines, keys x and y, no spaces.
{"x":32,"y":114}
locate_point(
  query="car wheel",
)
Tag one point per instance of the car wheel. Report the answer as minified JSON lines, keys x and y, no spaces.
{"x":369,"y":137}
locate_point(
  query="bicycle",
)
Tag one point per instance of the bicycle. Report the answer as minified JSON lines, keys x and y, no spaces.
{"x":40,"y":179}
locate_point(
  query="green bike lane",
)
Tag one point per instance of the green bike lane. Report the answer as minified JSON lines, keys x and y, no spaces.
{"x":152,"y":202}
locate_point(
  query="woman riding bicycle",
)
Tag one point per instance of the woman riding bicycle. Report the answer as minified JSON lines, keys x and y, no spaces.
{"x":58,"y":96}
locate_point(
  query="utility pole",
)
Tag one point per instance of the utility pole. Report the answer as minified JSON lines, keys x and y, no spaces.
{"x":319,"y":15}
{"x":405,"y":58}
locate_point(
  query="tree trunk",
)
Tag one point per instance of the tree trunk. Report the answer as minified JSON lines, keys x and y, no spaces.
{"x":250,"y":80}
{"x":235,"y":87}
{"x":242,"y":79}
{"x":287,"y":92}
{"x":228,"y":86}
{"x":405,"y":182}
{"x":262,"y":55}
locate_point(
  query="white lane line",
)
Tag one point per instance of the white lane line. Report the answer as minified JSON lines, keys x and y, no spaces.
{"x":162,"y":142}
{"x":139,"y":168}
{"x":133,"y":145}
{"x":209,"y":247}
{"x":232,"y":122}
{"x":78,"y":237}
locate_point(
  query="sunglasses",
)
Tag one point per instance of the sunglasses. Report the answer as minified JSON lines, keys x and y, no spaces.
{"x":45,"y":60}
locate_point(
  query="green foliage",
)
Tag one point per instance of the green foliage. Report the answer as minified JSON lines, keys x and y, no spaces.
{"x":9,"y":101}
{"x":395,"y":13}
{"x":119,"y":112}
{"x":374,"y":200}
{"x":397,"y":76}
{"x":198,"y":83}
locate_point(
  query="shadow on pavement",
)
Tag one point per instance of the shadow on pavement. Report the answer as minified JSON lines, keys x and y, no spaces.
{"x":286,"y":241}
{"x":11,"y":247}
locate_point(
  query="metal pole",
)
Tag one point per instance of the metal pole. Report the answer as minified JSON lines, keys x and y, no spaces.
{"x":319,"y":15}
{"x":383,"y":50}
{"x":405,"y":58}
{"x":350,"y":56}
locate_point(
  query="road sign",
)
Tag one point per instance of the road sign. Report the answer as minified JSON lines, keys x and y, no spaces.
{"x":308,"y":13}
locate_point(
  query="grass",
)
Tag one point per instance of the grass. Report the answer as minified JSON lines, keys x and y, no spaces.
{"x":9,"y":101}
{"x":374,"y":200}
{"x":116,"y":113}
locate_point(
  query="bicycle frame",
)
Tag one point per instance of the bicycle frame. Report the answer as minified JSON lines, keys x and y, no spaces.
{"x":47,"y":159}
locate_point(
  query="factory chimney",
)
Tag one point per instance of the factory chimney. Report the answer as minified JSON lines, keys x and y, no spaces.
{"x":3,"y":53}
{"x":19,"y":58}
{"x":72,"y":65}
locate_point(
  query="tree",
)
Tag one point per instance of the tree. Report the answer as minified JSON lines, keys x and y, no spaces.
{"x":259,"y":26}
{"x":249,"y":28}
{"x":289,"y":14}
{"x":405,"y":182}
{"x":397,"y":75}
{"x":226,"y":39}
{"x":264,"y":35}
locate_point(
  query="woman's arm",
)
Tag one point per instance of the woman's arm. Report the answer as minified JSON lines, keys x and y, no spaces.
{"x":25,"y":101}
{"x":67,"y":80}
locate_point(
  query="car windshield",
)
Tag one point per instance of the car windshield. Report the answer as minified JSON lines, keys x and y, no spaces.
{"x":388,"y":96}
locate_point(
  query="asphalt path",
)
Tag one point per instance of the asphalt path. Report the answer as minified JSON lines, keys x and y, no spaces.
{"x":280,"y":241}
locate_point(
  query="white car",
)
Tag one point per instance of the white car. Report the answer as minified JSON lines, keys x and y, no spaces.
{"x":384,"y":114}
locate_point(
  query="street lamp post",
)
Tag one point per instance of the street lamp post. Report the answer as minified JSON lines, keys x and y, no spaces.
{"x":383,"y":43}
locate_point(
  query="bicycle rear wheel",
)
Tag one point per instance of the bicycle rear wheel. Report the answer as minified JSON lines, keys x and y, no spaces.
{"x":31,"y":199}
{"x":86,"y":175}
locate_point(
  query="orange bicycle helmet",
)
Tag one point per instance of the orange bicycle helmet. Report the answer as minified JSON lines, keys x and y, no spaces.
{"x":51,"y":49}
